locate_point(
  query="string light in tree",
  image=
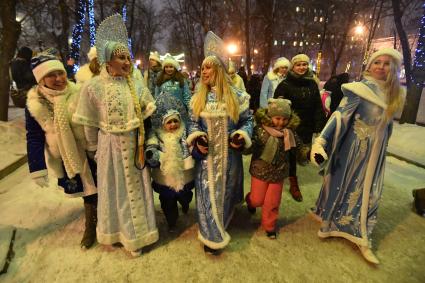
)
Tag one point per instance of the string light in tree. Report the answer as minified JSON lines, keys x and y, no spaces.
{"x":124,"y":16}
{"x":92,"y":24}
{"x":77,"y":33}
{"x":419,"y":64}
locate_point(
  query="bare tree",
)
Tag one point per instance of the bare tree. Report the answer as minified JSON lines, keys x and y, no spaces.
{"x":10,"y":32}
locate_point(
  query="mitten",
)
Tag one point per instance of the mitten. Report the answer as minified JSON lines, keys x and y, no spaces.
{"x":318,"y":154}
{"x":201,"y":144}
{"x":42,"y":181}
{"x":238,"y":141}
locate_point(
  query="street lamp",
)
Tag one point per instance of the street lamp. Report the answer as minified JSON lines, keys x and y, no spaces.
{"x":232,"y":48}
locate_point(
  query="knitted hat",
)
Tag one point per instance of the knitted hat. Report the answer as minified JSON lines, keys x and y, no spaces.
{"x":92,"y":53}
{"x":300,"y":58}
{"x":170,"y":60}
{"x":281,"y":62}
{"x":25,"y":52}
{"x":43,"y":64}
{"x":154,"y":56}
{"x":279,"y":107}
{"x":385,"y":51}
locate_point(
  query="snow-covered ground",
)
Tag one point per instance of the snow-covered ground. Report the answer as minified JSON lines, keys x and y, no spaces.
{"x":49,"y":228}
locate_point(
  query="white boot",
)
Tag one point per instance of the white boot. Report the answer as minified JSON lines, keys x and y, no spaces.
{"x":368,"y":254}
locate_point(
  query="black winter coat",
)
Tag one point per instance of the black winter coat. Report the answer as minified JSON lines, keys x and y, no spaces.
{"x":22,"y":73}
{"x":304,"y":94}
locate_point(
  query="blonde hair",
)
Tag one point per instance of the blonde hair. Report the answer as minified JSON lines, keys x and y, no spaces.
{"x":223,"y":91}
{"x":392,"y":89}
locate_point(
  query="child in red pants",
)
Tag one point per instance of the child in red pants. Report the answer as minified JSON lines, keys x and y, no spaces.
{"x":272,"y":140}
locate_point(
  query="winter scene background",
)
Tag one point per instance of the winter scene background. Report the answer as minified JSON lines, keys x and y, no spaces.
{"x":49,"y":227}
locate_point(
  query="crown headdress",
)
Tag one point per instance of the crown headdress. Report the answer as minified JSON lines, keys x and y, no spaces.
{"x":111,"y":32}
{"x":214,"y":46}
{"x":166,"y":105}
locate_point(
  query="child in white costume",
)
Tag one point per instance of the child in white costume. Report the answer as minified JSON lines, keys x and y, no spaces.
{"x":112,"y":108}
{"x":168,"y":155}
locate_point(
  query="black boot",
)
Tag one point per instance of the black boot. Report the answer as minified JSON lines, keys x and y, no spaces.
{"x":89,"y":236}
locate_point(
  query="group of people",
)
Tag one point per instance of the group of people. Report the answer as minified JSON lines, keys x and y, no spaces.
{"x":114,"y":138}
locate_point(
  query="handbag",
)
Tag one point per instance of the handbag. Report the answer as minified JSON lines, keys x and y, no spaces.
{"x":19,"y":96}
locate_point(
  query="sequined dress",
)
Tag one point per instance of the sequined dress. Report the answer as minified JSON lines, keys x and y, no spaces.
{"x":219,"y":176}
{"x":357,"y":136}
{"x":126,"y":207}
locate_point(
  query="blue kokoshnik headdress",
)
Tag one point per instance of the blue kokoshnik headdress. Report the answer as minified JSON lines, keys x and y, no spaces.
{"x":214,"y":46}
{"x":167,"y":105}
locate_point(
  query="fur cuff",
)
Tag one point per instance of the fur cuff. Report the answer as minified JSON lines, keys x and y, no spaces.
{"x":214,"y":245}
{"x":150,"y":108}
{"x":194,"y":135}
{"x":247,"y":139}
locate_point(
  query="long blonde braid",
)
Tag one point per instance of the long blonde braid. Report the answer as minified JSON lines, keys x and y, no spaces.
{"x":141,"y":137}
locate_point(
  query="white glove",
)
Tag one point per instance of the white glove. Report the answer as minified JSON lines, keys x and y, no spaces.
{"x":317,"y":148}
{"x":42,"y":181}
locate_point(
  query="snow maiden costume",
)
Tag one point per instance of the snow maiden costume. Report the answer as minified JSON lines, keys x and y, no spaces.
{"x":219,"y":173}
{"x":175,"y":84}
{"x":356,"y":137}
{"x":169,"y":158}
{"x":272,"y":80}
{"x":112,"y":109}
{"x":57,"y":146}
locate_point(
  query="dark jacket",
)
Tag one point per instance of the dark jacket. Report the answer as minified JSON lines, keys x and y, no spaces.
{"x":20,"y":69}
{"x":304,"y":94}
{"x":334,"y":86}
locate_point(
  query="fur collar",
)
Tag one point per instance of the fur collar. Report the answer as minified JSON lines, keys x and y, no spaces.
{"x":363,"y":90}
{"x":83,"y":74}
{"x":261,"y":118}
{"x":37,"y":106}
{"x":272,"y":76}
{"x":172,"y":165}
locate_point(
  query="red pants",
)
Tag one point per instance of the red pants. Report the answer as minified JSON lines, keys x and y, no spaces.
{"x":268,"y":196}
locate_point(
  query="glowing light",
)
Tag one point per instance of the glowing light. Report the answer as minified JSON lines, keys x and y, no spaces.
{"x":232,"y":48}
{"x":359,"y":29}
{"x":255,"y":51}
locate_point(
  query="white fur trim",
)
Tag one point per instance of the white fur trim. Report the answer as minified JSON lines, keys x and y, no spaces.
{"x":194,"y":135}
{"x":92,"y":53}
{"x":364,"y":92}
{"x":171,"y":61}
{"x":150,"y":108}
{"x":83,"y":74}
{"x":214,"y":245}
{"x":245,"y":136}
{"x":272,"y":76}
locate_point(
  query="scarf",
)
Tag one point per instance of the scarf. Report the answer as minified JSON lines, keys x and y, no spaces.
{"x":65,"y":137}
{"x":272,"y":143}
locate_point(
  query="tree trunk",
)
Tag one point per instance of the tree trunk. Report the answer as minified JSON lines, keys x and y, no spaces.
{"x":9,"y":39}
{"x":247,"y":43}
{"x":268,"y":50}
{"x":413,"y":95}
{"x":348,"y":23}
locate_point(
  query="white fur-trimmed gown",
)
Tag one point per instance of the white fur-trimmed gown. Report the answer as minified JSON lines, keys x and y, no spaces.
{"x":125,"y":209}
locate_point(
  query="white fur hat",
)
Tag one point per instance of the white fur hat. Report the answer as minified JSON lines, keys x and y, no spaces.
{"x":44,"y":64}
{"x":385,"y":51}
{"x":170,"y":60}
{"x":281,"y":62}
{"x":154,"y":56}
{"x":300,"y":58}
{"x":92,"y":53}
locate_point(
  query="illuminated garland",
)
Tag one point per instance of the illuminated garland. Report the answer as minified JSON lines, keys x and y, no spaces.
{"x":92,"y":24}
{"x":419,"y":63}
{"x":124,"y":16}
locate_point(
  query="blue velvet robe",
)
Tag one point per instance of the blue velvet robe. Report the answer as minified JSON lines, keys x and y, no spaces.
{"x":356,"y":137}
{"x":219,"y":175}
